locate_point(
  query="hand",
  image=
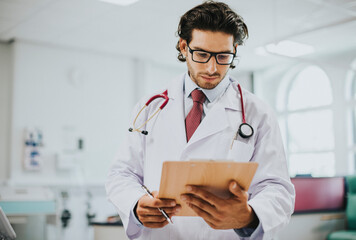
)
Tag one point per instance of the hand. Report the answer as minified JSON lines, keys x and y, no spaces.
{"x":148,"y":213}
{"x":222,"y":213}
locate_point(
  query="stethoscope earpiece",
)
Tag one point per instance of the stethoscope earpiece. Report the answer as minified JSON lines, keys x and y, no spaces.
{"x":143,"y":132}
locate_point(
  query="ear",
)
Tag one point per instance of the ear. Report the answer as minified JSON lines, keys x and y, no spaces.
{"x":236,"y":48}
{"x":183,"y":47}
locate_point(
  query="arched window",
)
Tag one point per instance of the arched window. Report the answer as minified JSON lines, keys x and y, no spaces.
{"x":306,"y":119}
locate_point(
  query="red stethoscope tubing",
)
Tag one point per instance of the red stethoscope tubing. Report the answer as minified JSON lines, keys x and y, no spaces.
{"x":242,"y":104}
{"x":245,"y":130}
{"x":166,"y":99}
{"x":164,"y":95}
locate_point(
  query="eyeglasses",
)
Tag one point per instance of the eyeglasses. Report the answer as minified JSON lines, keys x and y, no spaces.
{"x":201,"y":56}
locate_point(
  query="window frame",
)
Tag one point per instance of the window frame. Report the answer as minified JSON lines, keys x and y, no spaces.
{"x":350,"y":99}
{"x":282,"y":102}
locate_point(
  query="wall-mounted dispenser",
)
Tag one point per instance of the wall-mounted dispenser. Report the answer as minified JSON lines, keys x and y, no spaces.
{"x":33,"y":143}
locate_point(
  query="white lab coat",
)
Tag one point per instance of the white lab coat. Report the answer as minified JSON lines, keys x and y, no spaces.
{"x":140,"y":161}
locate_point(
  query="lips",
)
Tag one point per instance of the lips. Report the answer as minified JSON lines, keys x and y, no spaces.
{"x":209,"y":78}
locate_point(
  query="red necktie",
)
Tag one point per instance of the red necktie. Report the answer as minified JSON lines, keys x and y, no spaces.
{"x":193,"y":118}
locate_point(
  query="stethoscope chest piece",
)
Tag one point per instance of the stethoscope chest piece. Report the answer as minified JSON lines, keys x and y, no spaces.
{"x":245,"y":130}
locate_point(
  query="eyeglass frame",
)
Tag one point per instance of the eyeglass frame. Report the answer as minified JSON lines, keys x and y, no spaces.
{"x":212,"y":54}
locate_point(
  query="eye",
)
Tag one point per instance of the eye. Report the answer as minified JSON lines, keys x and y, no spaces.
{"x":223,"y":57}
{"x":202,"y":54}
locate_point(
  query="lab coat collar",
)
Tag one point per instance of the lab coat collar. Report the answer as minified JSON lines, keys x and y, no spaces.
{"x":211,"y":94}
{"x":217,"y":118}
{"x":232,"y":99}
{"x":174,"y":113}
{"x":229,"y":100}
{"x":215,"y":121}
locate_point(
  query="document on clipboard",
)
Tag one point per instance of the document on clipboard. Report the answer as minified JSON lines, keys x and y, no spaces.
{"x":214,"y":176}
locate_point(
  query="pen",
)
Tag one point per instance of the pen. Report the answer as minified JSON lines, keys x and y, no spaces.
{"x":161,"y":210}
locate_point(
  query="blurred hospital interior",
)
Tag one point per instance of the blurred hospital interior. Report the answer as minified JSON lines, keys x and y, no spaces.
{"x":72,"y":70}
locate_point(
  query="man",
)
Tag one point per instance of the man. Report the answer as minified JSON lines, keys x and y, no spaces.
{"x":200,"y":122}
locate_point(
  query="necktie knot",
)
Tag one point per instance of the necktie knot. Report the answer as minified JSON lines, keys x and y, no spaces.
{"x":198,"y":96}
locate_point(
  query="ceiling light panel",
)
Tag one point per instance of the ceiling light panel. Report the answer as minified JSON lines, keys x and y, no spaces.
{"x":120,"y":2}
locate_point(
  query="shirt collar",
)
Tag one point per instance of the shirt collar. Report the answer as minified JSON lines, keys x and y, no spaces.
{"x":211,"y":94}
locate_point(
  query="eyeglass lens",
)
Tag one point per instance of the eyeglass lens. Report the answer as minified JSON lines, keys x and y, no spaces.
{"x":221,"y":58}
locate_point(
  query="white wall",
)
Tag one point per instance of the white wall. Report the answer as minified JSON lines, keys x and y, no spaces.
{"x":159,"y":76}
{"x":5,"y":107}
{"x":56,"y":89}
{"x":245,"y":79}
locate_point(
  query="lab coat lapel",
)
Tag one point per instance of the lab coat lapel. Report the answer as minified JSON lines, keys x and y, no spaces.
{"x":216,"y":119}
{"x":175,"y":116}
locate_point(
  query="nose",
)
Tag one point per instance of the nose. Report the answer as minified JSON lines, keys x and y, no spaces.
{"x":211,"y":65}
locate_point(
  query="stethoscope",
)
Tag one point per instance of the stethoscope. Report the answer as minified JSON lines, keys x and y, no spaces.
{"x":245,"y":130}
{"x":166,"y":99}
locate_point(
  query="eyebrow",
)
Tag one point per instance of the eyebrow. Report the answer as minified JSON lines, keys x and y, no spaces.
{"x":200,"y":49}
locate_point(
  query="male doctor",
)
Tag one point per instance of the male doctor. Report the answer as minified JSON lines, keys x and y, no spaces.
{"x":200,"y":122}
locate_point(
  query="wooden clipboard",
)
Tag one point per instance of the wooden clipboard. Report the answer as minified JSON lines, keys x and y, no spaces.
{"x":214,"y":176}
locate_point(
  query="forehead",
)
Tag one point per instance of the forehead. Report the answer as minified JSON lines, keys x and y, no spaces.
{"x":212,"y":41}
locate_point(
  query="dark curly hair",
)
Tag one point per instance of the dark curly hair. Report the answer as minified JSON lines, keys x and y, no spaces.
{"x":211,"y":16}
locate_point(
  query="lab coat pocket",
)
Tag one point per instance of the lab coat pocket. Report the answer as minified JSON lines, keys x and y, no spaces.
{"x":240,"y":152}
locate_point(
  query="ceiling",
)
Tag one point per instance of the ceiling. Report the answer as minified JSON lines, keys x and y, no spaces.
{"x":147,"y":28}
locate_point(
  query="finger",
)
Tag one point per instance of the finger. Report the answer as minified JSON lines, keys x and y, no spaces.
{"x":200,"y":203}
{"x":212,"y":225}
{"x":156,"y":202}
{"x":203,"y":194}
{"x":155,"y":211}
{"x":152,"y":218}
{"x":155,"y":224}
{"x":155,"y":194}
{"x":237,"y":191}
{"x":201,"y":213}
{"x":172,"y":210}
{"x":148,"y":211}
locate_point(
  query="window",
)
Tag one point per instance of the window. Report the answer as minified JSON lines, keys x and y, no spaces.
{"x":306,"y":120}
{"x":351,"y":101}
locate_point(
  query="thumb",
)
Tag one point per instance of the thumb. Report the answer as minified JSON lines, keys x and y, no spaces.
{"x":155,"y":194}
{"x":235,"y":189}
